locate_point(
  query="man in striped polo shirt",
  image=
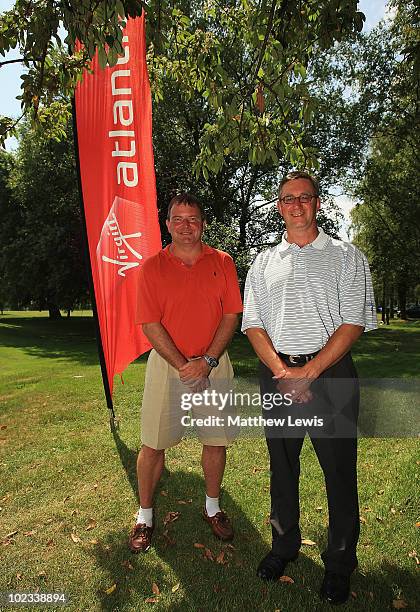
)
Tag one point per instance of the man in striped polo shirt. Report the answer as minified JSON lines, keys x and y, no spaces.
{"x":307,"y":300}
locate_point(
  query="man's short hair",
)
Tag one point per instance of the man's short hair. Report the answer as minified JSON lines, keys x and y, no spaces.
{"x":300,"y":174}
{"x":189,"y":200}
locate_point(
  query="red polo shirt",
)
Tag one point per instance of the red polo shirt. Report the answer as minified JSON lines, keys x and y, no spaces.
{"x":189,"y":301}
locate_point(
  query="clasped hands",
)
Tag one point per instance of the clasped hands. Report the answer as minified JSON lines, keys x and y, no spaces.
{"x":295,"y":382}
{"x":194,"y":374}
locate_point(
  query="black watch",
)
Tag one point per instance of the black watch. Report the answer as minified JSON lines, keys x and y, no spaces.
{"x":212,"y":361}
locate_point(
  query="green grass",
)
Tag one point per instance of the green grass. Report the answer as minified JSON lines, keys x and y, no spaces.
{"x":62,"y":471}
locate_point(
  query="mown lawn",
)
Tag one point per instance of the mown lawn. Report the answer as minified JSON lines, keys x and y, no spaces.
{"x":68,"y":489}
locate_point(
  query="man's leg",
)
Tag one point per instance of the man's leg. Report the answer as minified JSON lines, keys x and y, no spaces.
{"x":284,"y":492}
{"x":284,"y":516}
{"x":338,"y":459}
{"x":213,"y":461}
{"x":150,"y":464}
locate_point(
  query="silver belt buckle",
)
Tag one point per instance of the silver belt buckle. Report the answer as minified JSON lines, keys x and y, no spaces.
{"x":292,"y":358}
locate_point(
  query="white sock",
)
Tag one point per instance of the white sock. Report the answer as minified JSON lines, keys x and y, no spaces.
{"x":145,"y":515}
{"x":212,"y":505}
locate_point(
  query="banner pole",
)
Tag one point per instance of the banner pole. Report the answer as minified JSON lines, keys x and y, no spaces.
{"x":112,"y":419}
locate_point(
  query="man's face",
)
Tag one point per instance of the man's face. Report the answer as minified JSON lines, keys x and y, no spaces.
{"x":185,"y":224}
{"x":297,"y":215}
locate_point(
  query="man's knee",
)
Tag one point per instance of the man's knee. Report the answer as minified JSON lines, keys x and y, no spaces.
{"x":151,"y":453}
{"x":214,"y":450}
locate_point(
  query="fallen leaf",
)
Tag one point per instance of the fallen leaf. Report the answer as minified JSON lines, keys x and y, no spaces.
{"x":75,"y":538}
{"x":230,"y":546}
{"x":413,"y":555}
{"x":379,"y":519}
{"x":94,"y":541}
{"x":155,"y":589}
{"x":111,"y":589}
{"x":3,"y":427}
{"x":319,"y":509}
{"x":399,"y":604}
{"x":170,"y":541}
{"x":354,"y":595}
{"x":208,"y":554}
{"x":198,"y":545}
{"x":381,"y":491}
{"x":164,"y":493}
{"x":221,"y":558}
{"x":50,"y":542}
{"x":393,"y":511}
{"x":287,"y":579}
{"x":151,"y":600}
{"x":418,"y":524}
{"x":256,"y":469}
{"x":308,"y":542}
{"x":42,"y":575}
{"x":175,"y":587}
{"x":74,"y":512}
{"x":18,"y":576}
{"x":91,"y":525}
{"x":362,"y":520}
{"x":184,"y":502}
{"x":171,"y":517}
{"x":127,"y":565}
{"x":29,"y":533}
{"x":66,"y":499}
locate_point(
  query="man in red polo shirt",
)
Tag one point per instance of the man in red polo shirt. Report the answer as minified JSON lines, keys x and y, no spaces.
{"x":188,"y":307}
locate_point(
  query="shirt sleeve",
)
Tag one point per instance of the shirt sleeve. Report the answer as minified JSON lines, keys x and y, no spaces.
{"x":148,"y":309}
{"x":357,"y":301}
{"x":252,"y":308}
{"x":232,"y":301}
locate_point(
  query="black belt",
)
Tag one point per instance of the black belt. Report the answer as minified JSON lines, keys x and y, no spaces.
{"x":297,"y":359}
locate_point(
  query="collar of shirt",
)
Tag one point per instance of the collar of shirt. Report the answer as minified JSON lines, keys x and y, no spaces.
{"x":205,"y":250}
{"x":319,"y":242}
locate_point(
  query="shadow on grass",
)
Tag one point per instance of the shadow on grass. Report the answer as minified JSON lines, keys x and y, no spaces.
{"x":206,"y":584}
{"x":70,"y":339}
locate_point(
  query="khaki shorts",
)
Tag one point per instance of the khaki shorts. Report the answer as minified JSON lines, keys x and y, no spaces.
{"x":164,"y":406}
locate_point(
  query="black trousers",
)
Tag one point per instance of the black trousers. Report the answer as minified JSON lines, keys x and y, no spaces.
{"x":338,"y":459}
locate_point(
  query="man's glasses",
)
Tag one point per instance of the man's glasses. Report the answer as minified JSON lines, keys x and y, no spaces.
{"x":304,"y":198}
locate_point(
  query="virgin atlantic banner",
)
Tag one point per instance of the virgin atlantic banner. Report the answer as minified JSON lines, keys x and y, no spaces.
{"x":114,"y":130}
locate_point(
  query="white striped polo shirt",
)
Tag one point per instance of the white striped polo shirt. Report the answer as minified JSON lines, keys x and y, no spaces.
{"x":301,"y":295}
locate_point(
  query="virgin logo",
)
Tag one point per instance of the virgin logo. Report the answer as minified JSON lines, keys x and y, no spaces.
{"x":120,"y":241}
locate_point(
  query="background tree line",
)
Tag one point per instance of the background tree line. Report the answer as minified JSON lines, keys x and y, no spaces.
{"x":348,"y":106}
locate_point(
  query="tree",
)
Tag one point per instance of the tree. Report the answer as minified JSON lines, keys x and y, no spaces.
{"x":258,"y":92}
{"x":41,"y":255}
{"x":387,"y":220}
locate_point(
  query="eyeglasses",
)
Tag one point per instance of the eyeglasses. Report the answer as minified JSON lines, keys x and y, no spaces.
{"x":304,"y":198}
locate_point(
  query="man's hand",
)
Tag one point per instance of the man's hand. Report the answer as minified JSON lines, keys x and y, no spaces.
{"x":296,"y":383}
{"x":195,"y":374}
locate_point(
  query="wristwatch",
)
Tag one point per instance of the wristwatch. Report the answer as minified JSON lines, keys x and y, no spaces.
{"x":212,"y":361}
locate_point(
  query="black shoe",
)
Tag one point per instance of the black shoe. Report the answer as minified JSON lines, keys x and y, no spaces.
{"x":335,"y":588}
{"x":272,"y":566}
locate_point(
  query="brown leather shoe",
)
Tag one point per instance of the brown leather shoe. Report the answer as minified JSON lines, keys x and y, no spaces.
{"x":220,"y":525}
{"x":140,"y":538}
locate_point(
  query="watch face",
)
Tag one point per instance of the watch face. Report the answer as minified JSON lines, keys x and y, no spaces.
{"x":212,"y":361}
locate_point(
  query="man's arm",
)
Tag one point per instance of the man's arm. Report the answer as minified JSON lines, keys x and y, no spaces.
{"x":163,"y":344}
{"x":337,"y":346}
{"x":199,"y":368}
{"x":262,"y":345}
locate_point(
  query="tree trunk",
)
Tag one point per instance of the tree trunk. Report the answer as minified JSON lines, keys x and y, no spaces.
{"x":383,"y":301}
{"x":54,"y":312}
{"x":402,"y":299}
{"x":68,"y":313}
